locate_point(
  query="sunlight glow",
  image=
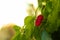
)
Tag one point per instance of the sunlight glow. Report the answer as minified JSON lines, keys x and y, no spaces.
{"x":14,"y":11}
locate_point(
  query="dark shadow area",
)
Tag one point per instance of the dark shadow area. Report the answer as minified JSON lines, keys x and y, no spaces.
{"x":56,"y":35}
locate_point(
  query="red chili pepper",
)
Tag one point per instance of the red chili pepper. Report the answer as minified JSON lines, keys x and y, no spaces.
{"x":39,"y":20}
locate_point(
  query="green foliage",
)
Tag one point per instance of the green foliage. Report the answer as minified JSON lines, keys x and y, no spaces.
{"x":17,"y":35}
{"x":37,"y":33}
{"x":29,"y":26}
{"x":28,"y":20}
{"x":51,"y":22}
{"x":58,"y":23}
{"x":16,"y":28}
{"x":53,"y":18}
{"x":51,"y":13}
{"x":47,"y":9}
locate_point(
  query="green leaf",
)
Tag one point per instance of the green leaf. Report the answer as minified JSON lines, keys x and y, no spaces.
{"x":16,"y":28}
{"x":36,"y":33}
{"x":28,"y":31}
{"x":47,"y":9}
{"x":28,"y":20}
{"x":29,"y":26}
{"x":53,"y":17}
{"x":52,"y":23}
{"x":17,"y":35}
{"x":49,"y":6}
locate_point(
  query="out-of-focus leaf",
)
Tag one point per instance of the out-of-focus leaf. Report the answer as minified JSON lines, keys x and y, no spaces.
{"x":47,"y":9}
{"x":49,"y":6}
{"x":17,"y":35}
{"x":52,"y":23}
{"x":16,"y":28}
{"x":28,"y":31}
{"x":37,"y":33}
{"x":53,"y":17}
{"x":28,"y":20}
{"x":29,"y":27}
{"x":31,"y":10}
